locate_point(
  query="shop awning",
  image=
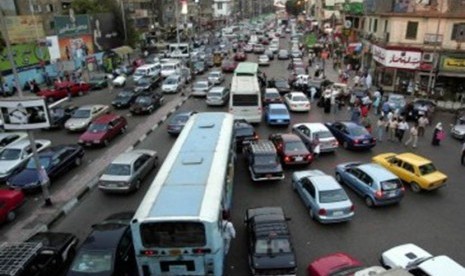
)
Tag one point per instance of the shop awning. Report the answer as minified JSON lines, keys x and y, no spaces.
{"x":452,"y":74}
{"x":123,"y":50}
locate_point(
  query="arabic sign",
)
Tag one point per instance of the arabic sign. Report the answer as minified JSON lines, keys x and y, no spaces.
{"x":449,"y":63}
{"x":24,"y":28}
{"x":72,"y":25}
{"x":396,"y":58}
{"x":25,"y":55}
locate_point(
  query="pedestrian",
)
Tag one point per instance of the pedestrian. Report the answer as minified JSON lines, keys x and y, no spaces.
{"x":356,"y":80}
{"x":381,"y":126}
{"x":462,"y":158}
{"x":392,"y":126}
{"x":422,"y":123}
{"x":334,"y":104}
{"x":327,"y":102}
{"x":438,"y":135}
{"x":413,"y":136}
{"x":402,"y":127}
{"x":312,"y":93}
{"x":229,"y":233}
{"x":366,"y":123}
{"x":316,"y":146}
{"x":68,"y":92}
{"x":356,"y":113}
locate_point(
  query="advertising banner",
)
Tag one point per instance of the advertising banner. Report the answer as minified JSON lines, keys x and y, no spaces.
{"x":396,"y":58}
{"x":104,"y":32}
{"x":76,"y":47}
{"x":24,"y":114}
{"x":453,"y":63}
{"x":72,"y":25}
{"x":24,"y":28}
{"x":26,"y":56}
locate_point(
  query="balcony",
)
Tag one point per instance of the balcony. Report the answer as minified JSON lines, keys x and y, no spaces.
{"x":432,"y":39}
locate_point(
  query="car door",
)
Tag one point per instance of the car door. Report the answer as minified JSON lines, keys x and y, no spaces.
{"x":395,"y":165}
{"x":113,"y":128}
{"x":125,"y":257}
{"x":364,"y":184}
{"x":337,"y":131}
{"x":408,"y":172}
{"x":144,"y":165}
{"x":352,"y":178}
{"x":310,"y":194}
{"x":303,"y":132}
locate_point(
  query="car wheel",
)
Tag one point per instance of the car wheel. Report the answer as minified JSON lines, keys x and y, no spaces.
{"x":106,"y":142}
{"x":338,"y":178}
{"x":11,"y":216}
{"x":369,"y":202}
{"x":345,"y":144}
{"x":415,"y":187}
{"x":137,"y":185}
{"x":77,"y":162}
{"x":312,"y":215}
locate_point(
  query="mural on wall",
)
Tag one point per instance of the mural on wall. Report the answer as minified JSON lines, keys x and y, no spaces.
{"x":76,"y":48}
{"x":26,"y":56}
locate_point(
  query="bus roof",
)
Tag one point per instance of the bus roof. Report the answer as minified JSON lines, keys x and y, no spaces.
{"x":246,"y":69}
{"x":189,"y":183}
{"x":245,"y":85}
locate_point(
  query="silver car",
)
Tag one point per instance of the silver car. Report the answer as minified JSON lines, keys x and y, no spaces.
{"x":215,"y":77}
{"x":217,"y":96}
{"x":84,"y":115}
{"x":128,"y":170}
{"x":309,"y":132}
{"x":201,"y":88}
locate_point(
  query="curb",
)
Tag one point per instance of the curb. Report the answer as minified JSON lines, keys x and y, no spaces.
{"x":73,"y":202}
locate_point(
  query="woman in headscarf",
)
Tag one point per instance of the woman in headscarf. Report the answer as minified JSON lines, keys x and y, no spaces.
{"x":438,"y":134}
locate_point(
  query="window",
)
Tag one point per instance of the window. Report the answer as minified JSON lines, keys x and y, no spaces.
{"x":220,"y":6}
{"x":35,"y":8}
{"x":375,"y":26}
{"x":385,"y":25}
{"x":458,"y":32}
{"x":369,"y":25}
{"x":408,"y":167}
{"x":49,"y":8}
{"x":412,"y":29}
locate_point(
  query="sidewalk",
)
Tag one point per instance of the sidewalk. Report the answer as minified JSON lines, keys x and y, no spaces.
{"x":42,"y":218}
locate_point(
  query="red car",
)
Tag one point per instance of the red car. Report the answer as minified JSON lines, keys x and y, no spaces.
{"x":103,"y":129}
{"x":60,"y":90}
{"x":338,"y":263}
{"x":228,"y":66}
{"x":291,"y":149}
{"x":240,"y":56}
{"x":10,"y":200}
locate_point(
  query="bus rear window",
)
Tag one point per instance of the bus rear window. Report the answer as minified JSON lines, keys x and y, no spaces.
{"x":245,"y":100}
{"x":172,"y":234}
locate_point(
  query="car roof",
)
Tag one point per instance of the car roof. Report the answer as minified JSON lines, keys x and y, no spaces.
{"x":271,"y":90}
{"x":22,"y":144}
{"x":297,"y":93}
{"x":377,"y":171}
{"x":277,"y":106}
{"x":88,"y":106}
{"x":314,"y":126}
{"x":104,"y":236}
{"x":50,"y":151}
{"x":126,"y":157}
{"x":217,"y":89}
{"x":413,"y":158}
{"x":106,"y":118}
{"x":350,"y":124}
{"x":290,"y":137}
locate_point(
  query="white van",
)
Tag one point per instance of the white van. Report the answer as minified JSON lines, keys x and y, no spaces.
{"x":147,"y":70}
{"x":245,"y":102}
{"x":170,"y":67}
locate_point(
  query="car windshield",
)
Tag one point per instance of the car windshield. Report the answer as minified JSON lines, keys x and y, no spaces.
{"x":97,"y":127}
{"x":427,"y":169}
{"x":299,"y":98}
{"x":43,"y":160}
{"x":295,"y":146}
{"x":143,"y":100}
{"x":10,"y":154}
{"x":167,"y":67}
{"x":118,"y":169}
{"x":396,"y":100}
{"x":143,"y":81}
{"x":323,"y":134}
{"x":265,"y":160}
{"x":272,"y":95}
{"x":125,"y":94}
{"x":358,"y":131}
{"x":201,"y":85}
{"x":178,"y":119}
{"x":214,"y":94}
{"x":171,"y":81}
{"x":279,"y":111}
{"x":81,"y":114}
{"x":272,"y":246}
{"x":93,"y":262}
{"x":390,"y":185}
{"x":214,"y":75}
{"x":281,"y":83}
{"x":332,"y":196}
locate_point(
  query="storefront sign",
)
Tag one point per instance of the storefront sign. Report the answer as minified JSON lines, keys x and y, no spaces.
{"x":74,"y":25}
{"x":456,"y":64}
{"x":396,"y":58}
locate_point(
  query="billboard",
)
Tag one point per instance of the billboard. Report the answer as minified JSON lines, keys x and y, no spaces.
{"x":72,"y":25}
{"x":27,"y":55}
{"x":396,"y":58}
{"x":24,"y":28}
{"x":105,"y":34}
{"x":53,"y":47}
{"x":24,"y":114}
{"x":75,"y":48}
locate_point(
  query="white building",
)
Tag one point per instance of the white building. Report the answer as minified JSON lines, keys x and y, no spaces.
{"x":222,"y":8}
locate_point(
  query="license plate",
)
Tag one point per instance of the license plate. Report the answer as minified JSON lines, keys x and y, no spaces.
{"x":280,"y":121}
{"x":268,"y":176}
{"x":366,"y":142}
{"x":88,"y":144}
{"x":338,"y":213}
{"x":299,"y":158}
{"x":391,"y":194}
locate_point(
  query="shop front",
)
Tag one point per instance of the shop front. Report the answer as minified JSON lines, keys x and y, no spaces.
{"x":395,"y":69}
{"x":451,"y":73}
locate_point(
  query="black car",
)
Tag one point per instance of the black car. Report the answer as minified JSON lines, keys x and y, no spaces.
{"x":44,"y":254}
{"x":269,"y":242}
{"x":98,"y":81}
{"x":244,"y":133}
{"x":146,"y":84}
{"x":108,"y":250}
{"x":125,"y":98}
{"x":263,"y":161}
{"x":59,"y":115}
{"x":282,"y":85}
{"x":200,"y":67}
{"x":147,"y":103}
{"x":419,"y":107}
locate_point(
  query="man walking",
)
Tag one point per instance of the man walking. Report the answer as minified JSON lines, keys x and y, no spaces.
{"x":229,"y":233}
{"x":422,"y":123}
{"x":414,"y":136}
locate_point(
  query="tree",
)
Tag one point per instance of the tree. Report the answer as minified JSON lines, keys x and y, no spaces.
{"x":295,"y":7}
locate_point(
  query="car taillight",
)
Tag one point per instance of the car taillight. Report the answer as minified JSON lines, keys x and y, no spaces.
{"x":322,"y":212}
{"x":335,"y":143}
{"x":201,"y":250}
{"x":356,"y":141}
{"x":352,"y":208}
{"x":149,"y":252}
{"x":307,"y":105}
{"x":256,"y":137}
{"x":402,"y":189}
{"x":379,"y":194}
{"x":287,"y":159}
{"x":309,"y":157}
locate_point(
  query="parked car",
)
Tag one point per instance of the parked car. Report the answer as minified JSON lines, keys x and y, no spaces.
{"x":9,"y":138}
{"x":84,"y":115}
{"x":263,"y":60}
{"x":270,"y":248}
{"x":147,"y":103}
{"x":282,"y":85}
{"x":310,"y":133}
{"x":277,"y":114}
{"x":296,"y":54}
{"x":228,"y":66}
{"x":218,"y":96}
{"x":335,"y":264}
{"x":103,"y":129}
{"x":396,"y":102}
{"x":283,"y":54}
{"x":60,"y":114}
{"x":55,"y":160}
{"x":263,"y":161}
{"x":178,"y":121}
{"x":272,"y":95}
{"x":248,"y":48}
{"x":351,"y":135}
{"x":125,"y":98}
{"x":13,"y":157}
{"x":63,"y":89}
{"x":215,"y":77}
{"x":107,"y":250}
{"x":244,"y":133}
{"x":10,"y":201}
{"x":146,"y":83}
{"x":297,"y":101}
{"x":323,"y":196}
{"x":420,"y":262}
{"x":186,"y":74}
{"x":270,"y":54}
{"x":376,"y":185}
{"x":419,"y":172}
{"x":201,"y":87}
{"x":119,"y":80}
{"x":291,"y":149}
{"x":172,"y":84}
{"x":458,"y":130}
{"x":98,"y":81}
{"x":127,"y":171}
{"x":274,"y":48}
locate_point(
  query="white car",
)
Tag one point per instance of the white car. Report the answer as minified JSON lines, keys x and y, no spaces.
{"x":274,"y":48}
{"x":128,"y":170}
{"x":263,"y":60}
{"x":14,"y":156}
{"x":172,"y":84}
{"x":215,"y":77}
{"x":119,"y":81}
{"x":200,"y":88}
{"x":296,"y":53}
{"x":412,"y":257}
{"x":84,"y":115}
{"x":309,"y":132}
{"x":297,"y":101}
{"x":9,"y":138}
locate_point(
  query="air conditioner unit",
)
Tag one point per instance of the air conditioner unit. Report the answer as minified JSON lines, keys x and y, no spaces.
{"x":427,"y":57}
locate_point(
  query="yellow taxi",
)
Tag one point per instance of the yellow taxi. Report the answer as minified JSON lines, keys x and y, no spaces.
{"x":417,"y":171}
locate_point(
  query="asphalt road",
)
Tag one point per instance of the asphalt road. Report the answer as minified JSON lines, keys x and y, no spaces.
{"x":433,"y":220}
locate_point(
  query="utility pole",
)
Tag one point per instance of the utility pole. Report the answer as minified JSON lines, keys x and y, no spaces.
{"x":435,"y":54}
{"x":123,"y":15}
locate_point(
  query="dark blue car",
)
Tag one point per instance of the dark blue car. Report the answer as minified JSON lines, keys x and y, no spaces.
{"x":55,"y":160}
{"x":351,"y":135}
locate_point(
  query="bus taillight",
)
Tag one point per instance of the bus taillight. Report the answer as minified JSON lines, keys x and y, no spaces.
{"x":149,"y":253}
{"x":201,"y":250}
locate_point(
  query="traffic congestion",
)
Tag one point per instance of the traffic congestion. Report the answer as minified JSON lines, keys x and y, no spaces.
{"x":281,"y":164}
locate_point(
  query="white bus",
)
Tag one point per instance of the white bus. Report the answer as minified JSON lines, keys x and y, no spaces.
{"x":177,"y":227}
{"x":178,"y":50}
